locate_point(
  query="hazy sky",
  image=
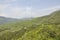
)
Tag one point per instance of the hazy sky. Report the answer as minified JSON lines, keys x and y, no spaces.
{"x":27,"y":8}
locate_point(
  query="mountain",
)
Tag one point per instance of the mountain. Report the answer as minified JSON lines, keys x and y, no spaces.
{"x":4,"y":20}
{"x":41,"y":28}
{"x":54,"y":17}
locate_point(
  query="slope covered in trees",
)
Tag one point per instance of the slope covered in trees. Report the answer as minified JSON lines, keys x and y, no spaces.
{"x":41,"y":28}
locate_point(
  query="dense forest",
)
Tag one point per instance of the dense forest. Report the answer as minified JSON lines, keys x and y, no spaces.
{"x":41,"y":28}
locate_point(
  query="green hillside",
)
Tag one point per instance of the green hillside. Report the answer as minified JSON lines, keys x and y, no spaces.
{"x":41,"y":28}
{"x":54,"y":18}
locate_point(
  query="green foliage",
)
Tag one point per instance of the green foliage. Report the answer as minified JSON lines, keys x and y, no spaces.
{"x":42,"y":28}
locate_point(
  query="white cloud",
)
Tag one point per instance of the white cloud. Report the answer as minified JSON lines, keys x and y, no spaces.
{"x":46,"y":11}
{"x":7,"y":1}
{"x":2,"y":6}
{"x":1,"y":14}
{"x":17,"y":12}
{"x":24,"y":12}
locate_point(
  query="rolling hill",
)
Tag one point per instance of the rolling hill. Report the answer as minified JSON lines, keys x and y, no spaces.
{"x":41,"y":28}
{"x":4,"y":20}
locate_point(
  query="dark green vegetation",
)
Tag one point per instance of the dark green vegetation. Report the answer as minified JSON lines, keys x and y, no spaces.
{"x":42,"y":28}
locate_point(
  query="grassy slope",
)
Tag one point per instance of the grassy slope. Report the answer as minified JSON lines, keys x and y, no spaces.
{"x":42,"y":28}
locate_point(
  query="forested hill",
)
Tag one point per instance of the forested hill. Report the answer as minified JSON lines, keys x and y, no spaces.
{"x":41,"y":28}
{"x":4,"y":20}
{"x":53,"y":18}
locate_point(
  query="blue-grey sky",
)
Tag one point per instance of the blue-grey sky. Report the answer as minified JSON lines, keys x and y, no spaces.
{"x":28,"y":8}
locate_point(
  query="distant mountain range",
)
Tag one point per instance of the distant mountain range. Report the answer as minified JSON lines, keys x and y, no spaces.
{"x":6,"y":20}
